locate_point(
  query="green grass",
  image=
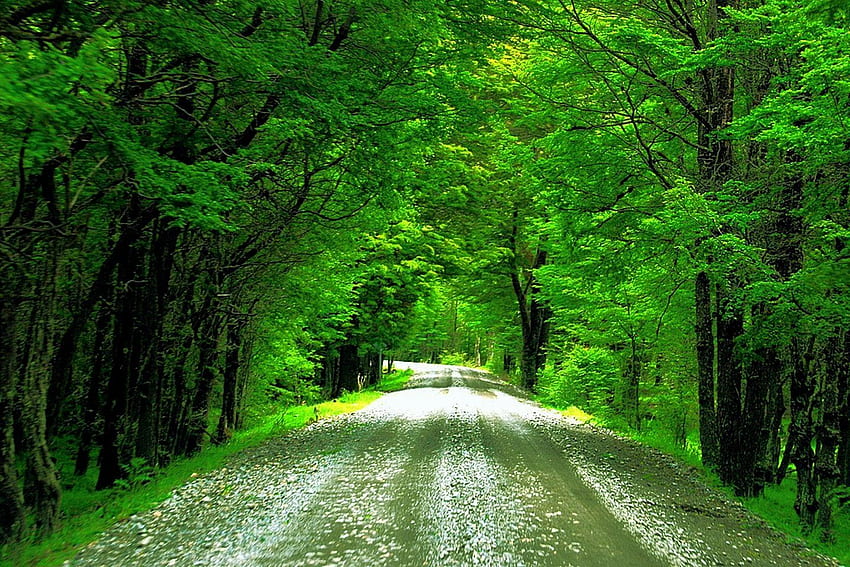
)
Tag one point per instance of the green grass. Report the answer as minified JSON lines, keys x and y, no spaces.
{"x":777,"y":508}
{"x":651,"y":434}
{"x":86,"y":512}
{"x":576,"y":413}
{"x":395,"y":381}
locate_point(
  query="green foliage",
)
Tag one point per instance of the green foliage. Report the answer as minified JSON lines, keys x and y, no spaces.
{"x":776,"y":506}
{"x":139,"y":472}
{"x":394,"y":381}
{"x":586,"y":377}
{"x":454,"y":358}
{"x":394,"y":288}
{"x":388,"y":175}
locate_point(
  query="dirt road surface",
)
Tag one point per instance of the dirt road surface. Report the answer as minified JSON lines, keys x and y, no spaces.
{"x":457,"y":470}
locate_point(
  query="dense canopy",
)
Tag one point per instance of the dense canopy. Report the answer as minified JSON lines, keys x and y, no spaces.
{"x":211,"y":208}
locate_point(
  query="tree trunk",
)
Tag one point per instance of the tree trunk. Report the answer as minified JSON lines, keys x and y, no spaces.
{"x":632,"y":397}
{"x":705,"y":371}
{"x":243,"y":379}
{"x":508,"y":362}
{"x":758,"y":419}
{"x":329,"y":371}
{"x":124,"y":364}
{"x":91,"y":410}
{"x":729,"y":424}
{"x":227,"y":420}
{"x":782,"y":469}
{"x":826,"y":469}
{"x":844,"y":419}
{"x":41,"y":482}
{"x":177,"y":408}
{"x":208,"y":355}
{"x":349,"y":368}
{"x":13,"y":518}
{"x":802,"y":431}
{"x":102,"y":285}
{"x":776,"y":412}
{"x":534,"y":316}
{"x":147,"y":408}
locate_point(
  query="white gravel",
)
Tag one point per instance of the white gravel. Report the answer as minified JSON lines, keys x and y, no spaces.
{"x":459,"y":474}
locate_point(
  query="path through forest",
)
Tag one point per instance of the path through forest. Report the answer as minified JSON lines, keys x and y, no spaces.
{"x":457,"y":470}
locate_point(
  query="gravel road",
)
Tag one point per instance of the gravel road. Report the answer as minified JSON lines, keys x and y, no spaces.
{"x":457,"y":470}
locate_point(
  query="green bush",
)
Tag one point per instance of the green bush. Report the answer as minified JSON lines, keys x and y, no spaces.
{"x":454,"y":358}
{"x":587,"y":378}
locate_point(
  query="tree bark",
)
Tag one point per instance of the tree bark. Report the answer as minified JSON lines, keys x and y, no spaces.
{"x":633,"y":373}
{"x":93,"y":392}
{"x":13,"y":518}
{"x":41,"y":482}
{"x":729,"y":423}
{"x":802,"y":431}
{"x":705,"y":372}
{"x":125,"y":361}
{"x":844,"y":419}
{"x":758,"y":420}
{"x":776,"y":412}
{"x":534,"y":317}
{"x":827,"y":471}
{"x":715,"y":161}
{"x":208,"y":354}
{"x":232,"y":359}
{"x":147,"y":408}
{"x":102,"y":285}
{"x":349,"y":369}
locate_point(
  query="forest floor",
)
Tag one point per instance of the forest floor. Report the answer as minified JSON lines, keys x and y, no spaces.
{"x":458,"y":469}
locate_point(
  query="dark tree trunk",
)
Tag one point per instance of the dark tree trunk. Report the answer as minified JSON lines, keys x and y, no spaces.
{"x":208,"y":354}
{"x":729,"y":423}
{"x":374,"y":364}
{"x":176,"y":348}
{"x":207,"y":325}
{"x":349,"y":369}
{"x":177,"y":411}
{"x":13,"y":518}
{"x":101,"y":286}
{"x":782,"y":469}
{"x":827,"y":471}
{"x":802,"y":431}
{"x":329,"y":372}
{"x":41,"y":482}
{"x":533,"y":351}
{"x":232,"y":358}
{"x":243,"y":379}
{"x":150,"y":382}
{"x":124,"y":364}
{"x":508,"y":363}
{"x":844,"y":416}
{"x":776,"y":408}
{"x":715,"y":161}
{"x":758,"y":420}
{"x":93,"y":402}
{"x":632,"y":397}
{"x":705,"y":372}
{"x":534,"y":316}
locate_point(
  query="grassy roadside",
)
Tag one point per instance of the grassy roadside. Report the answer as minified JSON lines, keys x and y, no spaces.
{"x":86,"y":512}
{"x":776,"y":506}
